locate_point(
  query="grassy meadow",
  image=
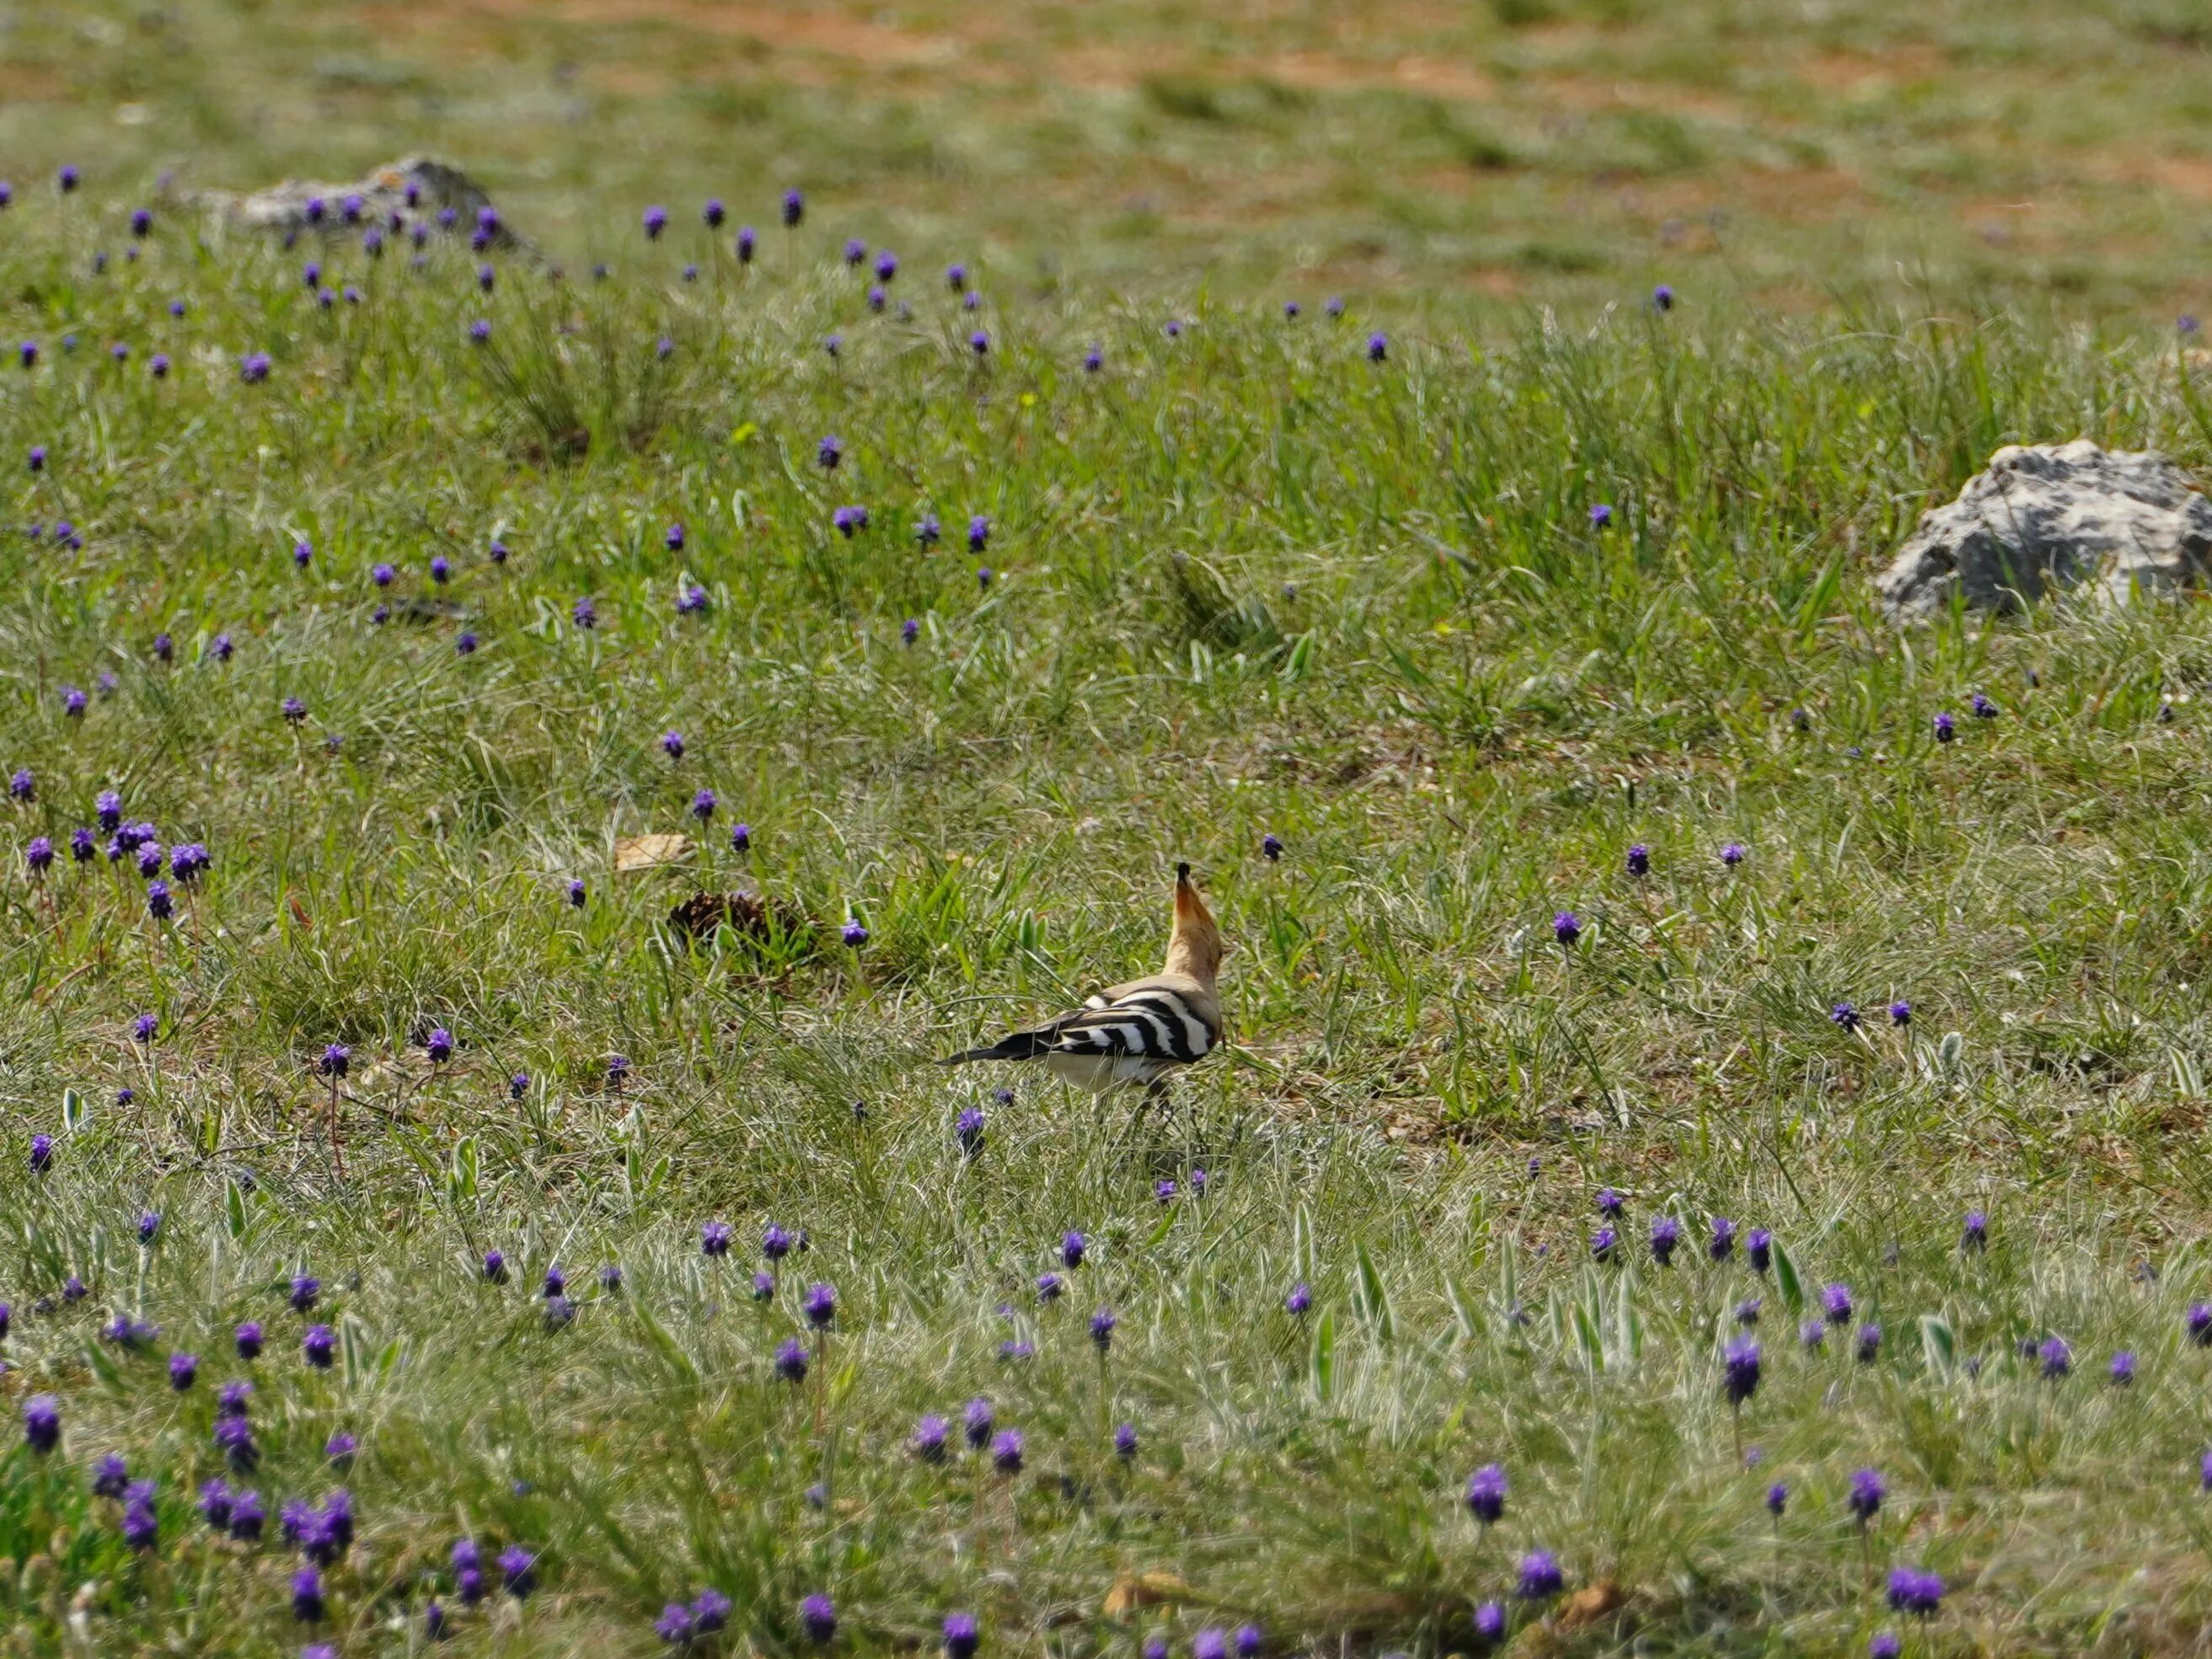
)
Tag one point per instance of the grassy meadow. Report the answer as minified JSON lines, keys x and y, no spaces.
{"x":1404,"y":620}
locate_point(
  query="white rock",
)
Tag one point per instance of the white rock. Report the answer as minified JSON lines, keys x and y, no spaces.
{"x":2048,"y":517}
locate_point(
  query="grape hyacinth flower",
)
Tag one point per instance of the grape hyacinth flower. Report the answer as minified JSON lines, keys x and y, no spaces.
{"x":1486,"y":1494}
{"x":1732,"y":854}
{"x":1602,"y":1244}
{"x":586,"y":613}
{"x":42,"y":1154}
{"x":962,"y":1635}
{"x":38,"y":853}
{"x":980,"y":343}
{"x":1812,"y":1334}
{"x":319,"y":1346}
{"x":2055,"y":1357}
{"x":1869,"y":1343}
{"x":1566,"y":927}
{"x":818,"y":1616}
{"x":820,"y":1306}
{"x":748,"y":239}
{"x":2123,"y":1369}
{"x":439,"y":1045}
{"x":703,"y":804}
{"x":1666,"y":1233}
{"x":1102,"y":1328}
{"x":247,"y":1339}
{"x":1125,"y":1441}
{"x":976,"y":1424}
{"x":1885,"y":1644}
{"x":1844,"y":1017}
{"x":1758,"y":1249}
{"x":1868,"y":1489}
{"x":969,"y":1128}
{"x":494,"y":1267}
{"x":1610,"y":1204}
{"x":518,"y":1570}
{"x":1663,"y":297}
{"x":1835,"y":1301}
{"x":979,"y":533}
{"x":1946,"y":728}
{"x":656,"y":221}
{"x":184,"y":1370}
{"x":1600,"y":515}
{"x":1777,"y":1499}
{"x":1975,"y":1236}
{"x":714,"y":213}
{"x":1299,"y":1300}
{"x":928,"y":1441}
{"x":1915,"y":1592}
{"x":715,"y":1238}
{"x":576,"y":894}
{"x":1723,"y":1244}
{"x":1540,"y":1576}
{"x":1006,"y":1452}
{"x":854,"y":933}
{"x":1900,"y":1014}
{"x":791,"y":1361}
{"x":1073,"y":1247}
{"x":109,"y":1476}
{"x":308,"y":1606}
{"x":1639,"y":859}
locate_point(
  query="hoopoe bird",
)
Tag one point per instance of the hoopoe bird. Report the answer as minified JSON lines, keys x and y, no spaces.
{"x":1133,"y":1036}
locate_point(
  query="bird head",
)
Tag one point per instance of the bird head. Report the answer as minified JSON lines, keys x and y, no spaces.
{"x":1195,"y":946}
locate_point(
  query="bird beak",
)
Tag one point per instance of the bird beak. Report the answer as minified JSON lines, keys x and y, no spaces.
{"x":1188,"y":907}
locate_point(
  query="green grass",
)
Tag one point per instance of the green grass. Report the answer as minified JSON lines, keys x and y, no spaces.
{"x":1244,"y":581}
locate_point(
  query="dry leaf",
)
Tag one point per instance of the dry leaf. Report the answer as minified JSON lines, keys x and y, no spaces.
{"x":299,"y":913}
{"x":1590,"y":1603}
{"x":1133,"y":1590}
{"x":645,"y":852}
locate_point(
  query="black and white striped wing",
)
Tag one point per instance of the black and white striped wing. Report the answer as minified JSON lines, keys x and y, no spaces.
{"x":1155,"y":1022}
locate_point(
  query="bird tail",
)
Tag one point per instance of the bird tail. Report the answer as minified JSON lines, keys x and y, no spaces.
{"x":1022,"y":1045}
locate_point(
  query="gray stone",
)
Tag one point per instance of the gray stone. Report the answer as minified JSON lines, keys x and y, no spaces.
{"x":415,"y":187}
{"x":2051,"y":518}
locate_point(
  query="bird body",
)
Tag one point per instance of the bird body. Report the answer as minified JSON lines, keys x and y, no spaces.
{"x":1131,"y":1036}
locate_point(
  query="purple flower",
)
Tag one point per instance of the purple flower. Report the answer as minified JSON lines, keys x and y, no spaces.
{"x":714,"y":213}
{"x":1758,"y":1249}
{"x":956,"y":277}
{"x":319,"y":1346}
{"x":674,"y":1625}
{"x":710,"y":1611}
{"x":247,"y":1516}
{"x":692,"y":599}
{"x":791,"y":1361}
{"x":818,"y":1616}
{"x":979,"y":533}
{"x":1946,"y":728}
{"x":439,"y":1045}
{"x":221,"y":647}
{"x":2123,"y":1369}
{"x":1844,"y":1017}
{"x":1639,"y":859}
{"x":1072,"y":1247}
{"x":962,"y":1635}
{"x":1732,"y":854}
{"x":1976,"y":1237}
{"x":1666,"y":1233}
{"x":1913,"y":1591}
{"x":976,"y":1424}
{"x":1812,"y":1334}
{"x":247,"y":1338}
{"x":1663,"y":297}
{"x":158,"y":903}
{"x":1490,"y":1623}
{"x":1746,"y":1311}
{"x":849,"y":520}
{"x":1210,"y":1644}
{"x":39,"y":852}
{"x":42,"y":1154}
{"x":741,"y":837}
{"x":233,"y":1438}
{"x":856,"y":251}
{"x":1566,"y":927}
{"x":1884,"y":1644}
{"x":748,"y":239}
{"x":1540,"y":1576}
{"x":980,"y":343}
{"x":1102,"y":1328}
{"x":184,"y":1368}
{"x":73,"y":703}
{"x":1378,"y":347}
{"x":576,"y":894}
{"x":1602,"y":1244}
{"x":1299,"y":1300}
{"x":673,"y":539}
{"x":776,"y":1242}
{"x":81,"y":848}
{"x":109,"y":1476}
{"x":703,"y":804}
{"x":1777,"y":1499}
{"x":833,"y":343}
{"x":1723,"y":1244}
{"x":339,"y":1449}
{"x":2055,"y":1357}
{"x":969,"y":1128}
{"x":518,"y":1570}
{"x":1869,"y":1343}
{"x":1093,"y":361}
{"x":820,"y":1306}
{"x":494,"y":1267}
{"x":466,"y":644}
{"x":672,"y":744}
{"x":1006,"y":1452}
{"x":656,"y":221}
{"x":929,"y":1439}
{"x":1049,"y":1286}
{"x":1865,"y":1494}
{"x":1125,"y":1441}
{"x":1900,"y":1014}
{"x":854,"y":933}
{"x":253,"y":367}
{"x":1600,"y":515}
{"x":586,"y":613}
{"x":909,"y":630}
{"x":158,"y":365}
{"x":214,"y":1503}
{"x":715,"y":1238}
{"x":307,"y":1595}
{"x":1485,"y":1493}
{"x":1836,"y":1302}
